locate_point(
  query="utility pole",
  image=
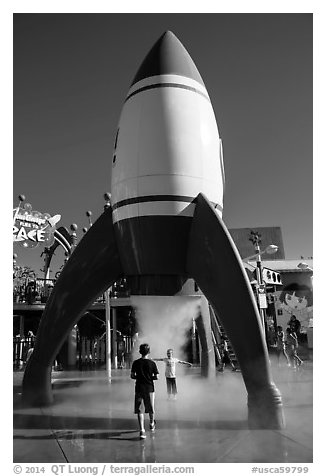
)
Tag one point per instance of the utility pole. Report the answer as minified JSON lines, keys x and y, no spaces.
{"x":107,"y":198}
{"x":255,"y":238}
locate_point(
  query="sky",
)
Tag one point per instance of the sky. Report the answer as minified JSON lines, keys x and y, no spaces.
{"x":71,"y":73}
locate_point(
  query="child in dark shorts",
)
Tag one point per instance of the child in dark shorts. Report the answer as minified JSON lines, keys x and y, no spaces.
{"x":144,"y":371}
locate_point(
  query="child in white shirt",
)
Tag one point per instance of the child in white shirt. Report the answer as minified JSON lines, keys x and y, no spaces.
{"x":170,"y":373}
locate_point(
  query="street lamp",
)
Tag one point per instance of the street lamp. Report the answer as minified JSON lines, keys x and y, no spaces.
{"x":270,"y":250}
{"x":304,"y":266}
{"x":255,"y":238}
{"x":73,"y":228}
{"x":107,"y":198}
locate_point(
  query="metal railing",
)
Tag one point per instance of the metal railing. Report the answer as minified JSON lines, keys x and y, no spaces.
{"x":32,"y":291}
{"x":20,"y":351}
{"x":90,"y":353}
{"x":37,"y":291}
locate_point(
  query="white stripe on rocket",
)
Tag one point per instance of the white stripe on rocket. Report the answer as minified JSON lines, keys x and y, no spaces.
{"x":168,"y":78}
{"x":153,"y":209}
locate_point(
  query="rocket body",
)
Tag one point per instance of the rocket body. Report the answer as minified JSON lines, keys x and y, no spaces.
{"x":167,"y":150}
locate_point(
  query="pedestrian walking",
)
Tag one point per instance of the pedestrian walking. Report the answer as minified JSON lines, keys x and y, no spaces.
{"x":144,"y":371}
{"x":29,"y":353}
{"x":225,"y":357}
{"x":280,"y":346}
{"x":170,"y":373}
{"x":295,"y":325}
{"x":291,"y":347}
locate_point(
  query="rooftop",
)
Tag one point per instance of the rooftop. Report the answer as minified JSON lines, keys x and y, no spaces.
{"x":289,"y":265}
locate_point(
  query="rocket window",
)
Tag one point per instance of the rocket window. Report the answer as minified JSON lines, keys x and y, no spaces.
{"x":116,"y":139}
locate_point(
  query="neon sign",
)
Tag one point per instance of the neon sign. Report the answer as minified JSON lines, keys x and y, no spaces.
{"x":32,"y":228}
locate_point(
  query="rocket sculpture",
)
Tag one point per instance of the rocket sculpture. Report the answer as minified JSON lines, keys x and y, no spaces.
{"x":163,"y":227}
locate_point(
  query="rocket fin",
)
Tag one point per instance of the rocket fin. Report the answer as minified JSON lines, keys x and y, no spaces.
{"x":93,"y":266}
{"x":214,"y":263}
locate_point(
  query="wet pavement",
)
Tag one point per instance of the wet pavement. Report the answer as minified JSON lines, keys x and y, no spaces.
{"x":92,"y":421}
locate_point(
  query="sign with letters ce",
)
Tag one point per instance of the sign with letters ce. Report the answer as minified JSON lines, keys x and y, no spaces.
{"x":32,"y":228}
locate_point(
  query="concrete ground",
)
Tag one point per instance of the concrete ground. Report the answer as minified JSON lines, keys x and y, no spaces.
{"x":92,"y":421}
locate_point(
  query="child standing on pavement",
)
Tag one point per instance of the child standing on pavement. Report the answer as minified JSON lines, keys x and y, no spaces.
{"x":170,"y":373}
{"x":144,"y":371}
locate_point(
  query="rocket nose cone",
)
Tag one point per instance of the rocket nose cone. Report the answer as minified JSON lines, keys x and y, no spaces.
{"x":168,"y":56}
